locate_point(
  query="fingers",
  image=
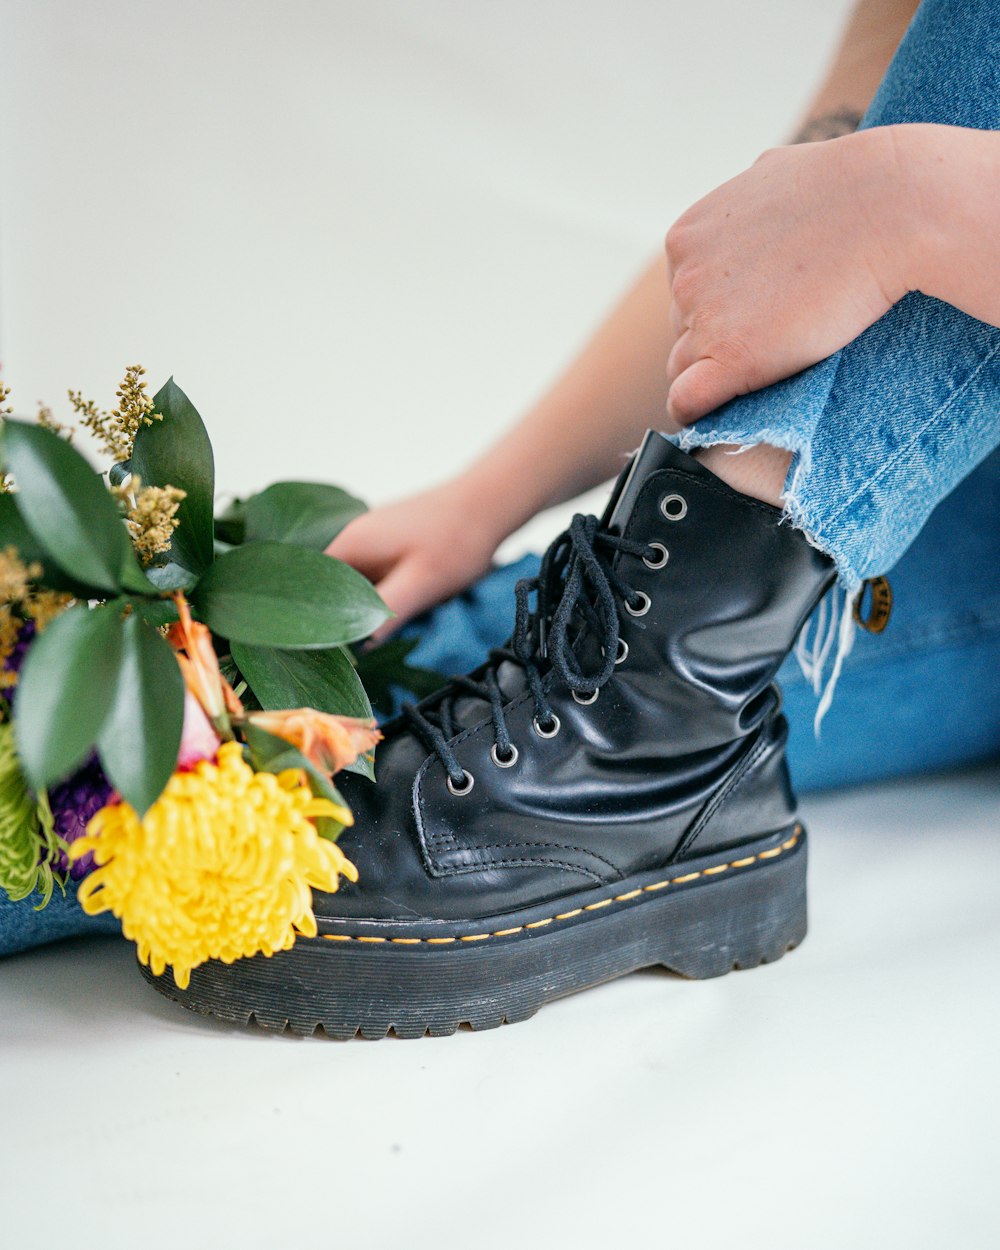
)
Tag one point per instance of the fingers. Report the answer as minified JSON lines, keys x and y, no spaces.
{"x":406,"y":592}
{"x":682,"y":356}
{"x":362,"y":546}
{"x":700,"y":387}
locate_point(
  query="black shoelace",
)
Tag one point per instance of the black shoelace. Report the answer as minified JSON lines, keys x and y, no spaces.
{"x":576,"y":589}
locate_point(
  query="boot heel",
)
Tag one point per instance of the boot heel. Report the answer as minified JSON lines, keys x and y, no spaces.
{"x":747,"y":919}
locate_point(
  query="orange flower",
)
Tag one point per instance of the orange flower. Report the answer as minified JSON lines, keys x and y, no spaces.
{"x":329,"y":742}
{"x":192,"y":642}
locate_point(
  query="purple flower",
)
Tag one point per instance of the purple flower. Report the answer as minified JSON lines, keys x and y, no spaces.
{"x":12,"y":662}
{"x":73,"y":803}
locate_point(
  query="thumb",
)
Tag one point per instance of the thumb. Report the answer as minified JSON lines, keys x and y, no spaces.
{"x":405,"y":590}
{"x":358,"y":547}
{"x":699,"y":389}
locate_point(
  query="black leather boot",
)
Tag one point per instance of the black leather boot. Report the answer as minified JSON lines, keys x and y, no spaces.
{"x":608,"y":793}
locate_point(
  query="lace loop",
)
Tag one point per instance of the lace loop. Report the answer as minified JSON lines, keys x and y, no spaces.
{"x":576,"y":593}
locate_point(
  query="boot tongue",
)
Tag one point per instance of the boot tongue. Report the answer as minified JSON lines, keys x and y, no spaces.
{"x":654,"y":453}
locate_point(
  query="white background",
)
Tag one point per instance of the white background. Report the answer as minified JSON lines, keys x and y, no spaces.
{"x":364,"y":236}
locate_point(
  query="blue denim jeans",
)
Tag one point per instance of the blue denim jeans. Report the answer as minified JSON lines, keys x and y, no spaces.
{"x":883,"y":430}
{"x":885,"y":434}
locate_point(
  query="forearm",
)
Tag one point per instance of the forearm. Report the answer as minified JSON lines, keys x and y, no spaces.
{"x":577,"y":435}
{"x":867,"y":45}
{"x":579,"y":432}
{"x":952,"y":237}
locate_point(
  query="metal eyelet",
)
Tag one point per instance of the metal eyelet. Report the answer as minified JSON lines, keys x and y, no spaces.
{"x":644,"y":606}
{"x":664,"y":556}
{"x":499,"y":760}
{"x":554,"y":725}
{"x":621,"y":655}
{"x":585,"y":700}
{"x":678,"y":513}
{"x":461,"y":791}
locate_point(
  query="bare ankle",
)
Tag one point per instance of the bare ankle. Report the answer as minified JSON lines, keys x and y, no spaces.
{"x":758,"y":471}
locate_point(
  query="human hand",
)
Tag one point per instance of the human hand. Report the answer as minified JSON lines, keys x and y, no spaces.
{"x":783,"y":265}
{"x":420,"y":550}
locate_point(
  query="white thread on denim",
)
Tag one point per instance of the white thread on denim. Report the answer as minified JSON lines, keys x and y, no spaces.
{"x":832,"y":623}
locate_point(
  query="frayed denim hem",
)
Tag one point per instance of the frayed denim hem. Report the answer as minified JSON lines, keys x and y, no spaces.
{"x":796,"y":511}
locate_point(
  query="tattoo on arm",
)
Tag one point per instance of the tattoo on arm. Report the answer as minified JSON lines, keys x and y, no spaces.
{"x":831,"y":126}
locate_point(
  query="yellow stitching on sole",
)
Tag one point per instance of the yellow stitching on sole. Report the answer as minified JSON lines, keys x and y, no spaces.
{"x":566,"y":915}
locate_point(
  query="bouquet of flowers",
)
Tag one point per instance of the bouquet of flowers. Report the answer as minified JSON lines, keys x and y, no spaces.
{"x":152,"y":660}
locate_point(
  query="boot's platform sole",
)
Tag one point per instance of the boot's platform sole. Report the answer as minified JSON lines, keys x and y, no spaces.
{"x":700,"y":919}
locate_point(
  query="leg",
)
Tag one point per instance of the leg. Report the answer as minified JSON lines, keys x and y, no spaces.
{"x":935,"y":667}
{"x":924,"y":695}
{"x":22,"y":928}
{"x":882,"y":431}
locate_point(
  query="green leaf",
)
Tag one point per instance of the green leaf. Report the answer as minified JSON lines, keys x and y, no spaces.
{"x":66,"y":506}
{"x":15,"y":533}
{"x":134,"y":580}
{"x":66,"y":690}
{"x":230,"y":524}
{"x":325,"y":680}
{"x":309,"y":514}
{"x":177,"y":452}
{"x":156,"y":612}
{"x":271,"y":754}
{"x":383,"y":667}
{"x":277,"y":595}
{"x":141,"y":737}
{"x":169,"y":577}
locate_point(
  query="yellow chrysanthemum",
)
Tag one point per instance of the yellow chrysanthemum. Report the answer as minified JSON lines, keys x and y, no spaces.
{"x":220,"y":867}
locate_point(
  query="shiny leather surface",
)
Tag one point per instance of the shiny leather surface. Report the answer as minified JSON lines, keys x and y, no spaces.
{"x":682,"y":752}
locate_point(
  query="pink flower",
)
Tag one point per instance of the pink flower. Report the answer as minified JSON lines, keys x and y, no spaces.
{"x":199,"y":741}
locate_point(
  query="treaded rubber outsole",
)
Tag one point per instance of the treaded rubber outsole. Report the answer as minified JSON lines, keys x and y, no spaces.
{"x":709,"y":918}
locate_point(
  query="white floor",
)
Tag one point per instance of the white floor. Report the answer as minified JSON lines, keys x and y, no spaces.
{"x":845,"y":1097}
{"x":363,"y":237}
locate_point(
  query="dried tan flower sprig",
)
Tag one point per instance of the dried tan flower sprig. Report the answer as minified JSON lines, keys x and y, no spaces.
{"x":16,"y":576}
{"x":116,"y":430}
{"x":152,"y":518}
{"x":45,"y":605}
{"x":21,"y":601}
{"x":48,"y":422}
